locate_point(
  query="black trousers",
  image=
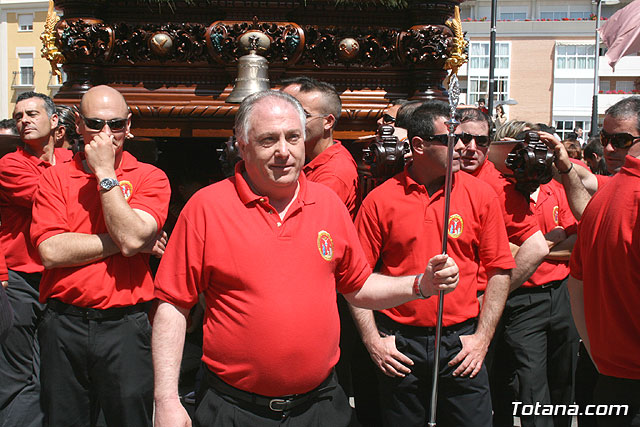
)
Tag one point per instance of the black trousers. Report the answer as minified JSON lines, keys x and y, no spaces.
{"x":20,"y":355}
{"x":462,"y":401}
{"x":539,"y":348}
{"x":330,"y":409}
{"x":618,"y":391}
{"x":88,"y":365}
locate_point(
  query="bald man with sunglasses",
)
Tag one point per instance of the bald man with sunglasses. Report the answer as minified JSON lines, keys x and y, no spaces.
{"x":95,"y":221}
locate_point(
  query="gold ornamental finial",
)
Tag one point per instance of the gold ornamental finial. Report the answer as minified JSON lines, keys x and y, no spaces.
{"x":457,"y":56}
{"x":49,"y":50}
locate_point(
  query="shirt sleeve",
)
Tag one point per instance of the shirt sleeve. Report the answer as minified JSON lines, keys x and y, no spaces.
{"x":369,"y":232}
{"x":49,"y":213}
{"x":493,"y":248}
{"x":152,"y":196}
{"x":353,"y":269}
{"x":180,"y":279}
{"x":19,"y":181}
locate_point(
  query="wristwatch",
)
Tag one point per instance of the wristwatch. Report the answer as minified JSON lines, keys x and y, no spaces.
{"x":107,"y":184}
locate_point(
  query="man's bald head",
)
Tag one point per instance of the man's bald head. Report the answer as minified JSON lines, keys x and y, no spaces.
{"x":99,"y":97}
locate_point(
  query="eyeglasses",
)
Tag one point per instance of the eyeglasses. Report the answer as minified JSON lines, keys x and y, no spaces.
{"x":617,"y":140}
{"x":309,"y":116}
{"x":439,"y":139}
{"x":98,"y":124}
{"x":481,"y":140}
{"x":388,"y":119}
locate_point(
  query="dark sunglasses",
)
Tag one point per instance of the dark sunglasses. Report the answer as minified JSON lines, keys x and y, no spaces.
{"x":617,"y":140}
{"x":481,"y":140}
{"x":388,"y":119}
{"x":439,"y":139}
{"x":98,"y":124}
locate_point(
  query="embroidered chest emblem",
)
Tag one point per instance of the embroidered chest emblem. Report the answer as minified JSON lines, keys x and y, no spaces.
{"x":456,"y":225}
{"x":325,"y":245}
{"x":127,"y":189}
{"x":555,"y":214}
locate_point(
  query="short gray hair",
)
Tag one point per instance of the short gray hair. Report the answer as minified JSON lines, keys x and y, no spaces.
{"x":626,"y":108}
{"x":248,"y":104}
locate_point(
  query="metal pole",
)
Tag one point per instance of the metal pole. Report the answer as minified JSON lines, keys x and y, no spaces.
{"x":596,"y":83}
{"x":454,"y":96}
{"x":492,"y":57}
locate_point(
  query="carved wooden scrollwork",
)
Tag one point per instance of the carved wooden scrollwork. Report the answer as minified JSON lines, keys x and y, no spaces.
{"x":86,"y":41}
{"x":287,"y":40}
{"x":425,"y":46}
{"x":376,"y":47}
{"x":149,"y":42}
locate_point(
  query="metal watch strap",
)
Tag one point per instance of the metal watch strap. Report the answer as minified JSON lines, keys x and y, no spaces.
{"x":107,"y":184}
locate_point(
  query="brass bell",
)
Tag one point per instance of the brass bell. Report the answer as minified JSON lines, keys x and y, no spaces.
{"x":253,"y":69}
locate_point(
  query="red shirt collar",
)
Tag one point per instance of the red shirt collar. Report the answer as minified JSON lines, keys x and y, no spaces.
{"x":631,"y":166}
{"x":247,"y":195}
{"x":411,"y":184}
{"x":324,"y":157}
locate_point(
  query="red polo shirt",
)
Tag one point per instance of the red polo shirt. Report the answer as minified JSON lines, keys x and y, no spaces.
{"x":400,"y":225}
{"x":603,"y":180}
{"x":519,"y":219}
{"x":552,"y":210}
{"x":336,"y":169}
{"x":271,"y":325}
{"x":68,"y":200}
{"x":19,"y":177}
{"x":606,"y":258}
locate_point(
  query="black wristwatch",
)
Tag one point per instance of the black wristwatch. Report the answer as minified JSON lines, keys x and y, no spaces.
{"x":107,"y":184}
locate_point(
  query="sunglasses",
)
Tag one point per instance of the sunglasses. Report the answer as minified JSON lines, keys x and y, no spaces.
{"x":617,"y":140}
{"x":388,"y":119}
{"x":481,"y":140}
{"x":98,"y":124}
{"x":442,"y":139}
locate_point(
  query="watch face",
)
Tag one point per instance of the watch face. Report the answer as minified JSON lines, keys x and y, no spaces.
{"x":108,"y":183}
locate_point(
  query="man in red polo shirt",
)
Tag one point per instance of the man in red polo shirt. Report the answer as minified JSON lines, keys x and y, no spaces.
{"x":604,"y":272}
{"x":93,"y":220}
{"x":399,"y":225}
{"x":36,"y":120}
{"x":327,"y":160}
{"x":268,"y":248}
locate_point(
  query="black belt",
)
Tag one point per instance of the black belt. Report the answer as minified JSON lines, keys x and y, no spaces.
{"x":410,"y":330}
{"x":535,"y":289}
{"x":88,"y":313}
{"x":276,"y":404}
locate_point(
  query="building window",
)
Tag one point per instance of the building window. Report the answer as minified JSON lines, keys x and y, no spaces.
{"x":25,"y":22}
{"x":479,"y":88}
{"x":25,"y":75}
{"x":575,"y":57}
{"x":513,"y":16}
{"x":565,"y":127}
{"x":580,"y":15}
{"x":626,"y":86}
{"x":605,"y":85}
{"x":479,"y":56}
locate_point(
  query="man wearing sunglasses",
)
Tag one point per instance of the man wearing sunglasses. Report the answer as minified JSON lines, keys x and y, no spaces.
{"x":96,"y":219}
{"x":36,"y":120}
{"x":536,"y":315}
{"x":604,"y":268}
{"x":400,"y":224}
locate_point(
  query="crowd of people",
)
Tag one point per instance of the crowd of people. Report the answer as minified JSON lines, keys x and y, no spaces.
{"x":313,"y":299}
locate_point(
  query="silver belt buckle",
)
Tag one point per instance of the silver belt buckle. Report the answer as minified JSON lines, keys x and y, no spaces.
{"x":278,"y":405}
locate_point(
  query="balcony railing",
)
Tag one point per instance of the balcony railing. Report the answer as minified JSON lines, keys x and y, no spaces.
{"x":23,"y":78}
